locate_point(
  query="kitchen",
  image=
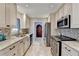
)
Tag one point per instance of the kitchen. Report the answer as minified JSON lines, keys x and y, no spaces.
{"x":24,"y":30}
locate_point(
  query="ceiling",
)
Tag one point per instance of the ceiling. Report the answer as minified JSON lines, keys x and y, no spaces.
{"x":38,"y":9}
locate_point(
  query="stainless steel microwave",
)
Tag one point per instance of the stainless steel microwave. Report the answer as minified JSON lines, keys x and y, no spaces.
{"x":64,"y":22}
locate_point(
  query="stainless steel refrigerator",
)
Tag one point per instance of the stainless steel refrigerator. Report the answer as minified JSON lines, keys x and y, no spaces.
{"x":47,"y":33}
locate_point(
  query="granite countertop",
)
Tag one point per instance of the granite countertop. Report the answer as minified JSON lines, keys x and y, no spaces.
{"x":12,"y":40}
{"x":72,"y":44}
{"x":53,"y":37}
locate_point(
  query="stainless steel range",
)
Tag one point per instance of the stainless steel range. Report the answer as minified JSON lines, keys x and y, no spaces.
{"x":56,"y":44}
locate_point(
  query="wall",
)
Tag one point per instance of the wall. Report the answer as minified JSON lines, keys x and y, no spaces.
{"x":32,"y":26}
{"x":74,"y":33}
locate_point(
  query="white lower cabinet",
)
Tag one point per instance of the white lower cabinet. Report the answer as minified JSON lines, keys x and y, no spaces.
{"x":16,"y":49}
{"x":20,"y":48}
{"x":9,"y":51}
{"x":68,"y":51}
{"x":26,"y":43}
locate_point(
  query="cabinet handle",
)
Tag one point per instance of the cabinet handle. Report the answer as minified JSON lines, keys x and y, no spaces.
{"x":12,"y":48}
{"x":21,"y":41}
{"x":67,"y":49}
{"x":14,"y":54}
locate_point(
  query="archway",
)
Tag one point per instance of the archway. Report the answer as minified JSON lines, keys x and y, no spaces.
{"x":39,"y":30}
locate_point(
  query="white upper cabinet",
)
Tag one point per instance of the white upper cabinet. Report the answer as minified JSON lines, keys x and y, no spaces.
{"x":61,"y":12}
{"x":7,"y":14}
{"x":57,"y":16}
{"x":75,"y":16}
{"x":67,"y":9}
{"x":27,"y":22}
{"x":2,"y":15}
{"x":11,"y":14}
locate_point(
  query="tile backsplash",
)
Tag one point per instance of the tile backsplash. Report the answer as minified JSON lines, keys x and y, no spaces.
{"x":74,"y":33}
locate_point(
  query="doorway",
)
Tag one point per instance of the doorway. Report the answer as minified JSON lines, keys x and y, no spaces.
{"x":39,"y":30}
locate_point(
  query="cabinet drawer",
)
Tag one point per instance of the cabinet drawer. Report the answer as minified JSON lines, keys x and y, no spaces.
{"x":10,"y":53}
{"x":14,"y":52}
{"x":6,"y":50}
{"x":69,"y":50}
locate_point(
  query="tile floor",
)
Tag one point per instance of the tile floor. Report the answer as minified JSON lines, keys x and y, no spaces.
{"x":38,"y":48}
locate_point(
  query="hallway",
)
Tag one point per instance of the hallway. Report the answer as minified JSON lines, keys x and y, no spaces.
{"x":38,"y":48}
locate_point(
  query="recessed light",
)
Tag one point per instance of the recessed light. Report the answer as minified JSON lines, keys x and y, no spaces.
{"x":27,"y":5}
{"x":51,"y":6}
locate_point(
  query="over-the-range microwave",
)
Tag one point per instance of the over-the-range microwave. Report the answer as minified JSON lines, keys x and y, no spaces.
{"x":64,"y":22}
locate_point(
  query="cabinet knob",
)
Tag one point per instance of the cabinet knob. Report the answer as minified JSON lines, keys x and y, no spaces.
{"x":14,"y":54}
{"x":67,"y":49}
{"x":12,"y":48}
{"x":21,"y":41}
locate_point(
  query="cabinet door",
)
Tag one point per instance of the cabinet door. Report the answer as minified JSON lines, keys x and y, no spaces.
{"x":2,"y":15}
{"x":75,"y":16}
{"x":57,"y":16}
{"x":21,"y":48}
{"x":25,"y":44}
{"x":27,"y":21}
{"x":28,"y":40}
{"x":13,"y":14}
{"x":61,"y":12}
{"x":67,"y":9}
{"x":68,"y":51}
{"x":7,"y":13}
{"x":64,"y":51}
